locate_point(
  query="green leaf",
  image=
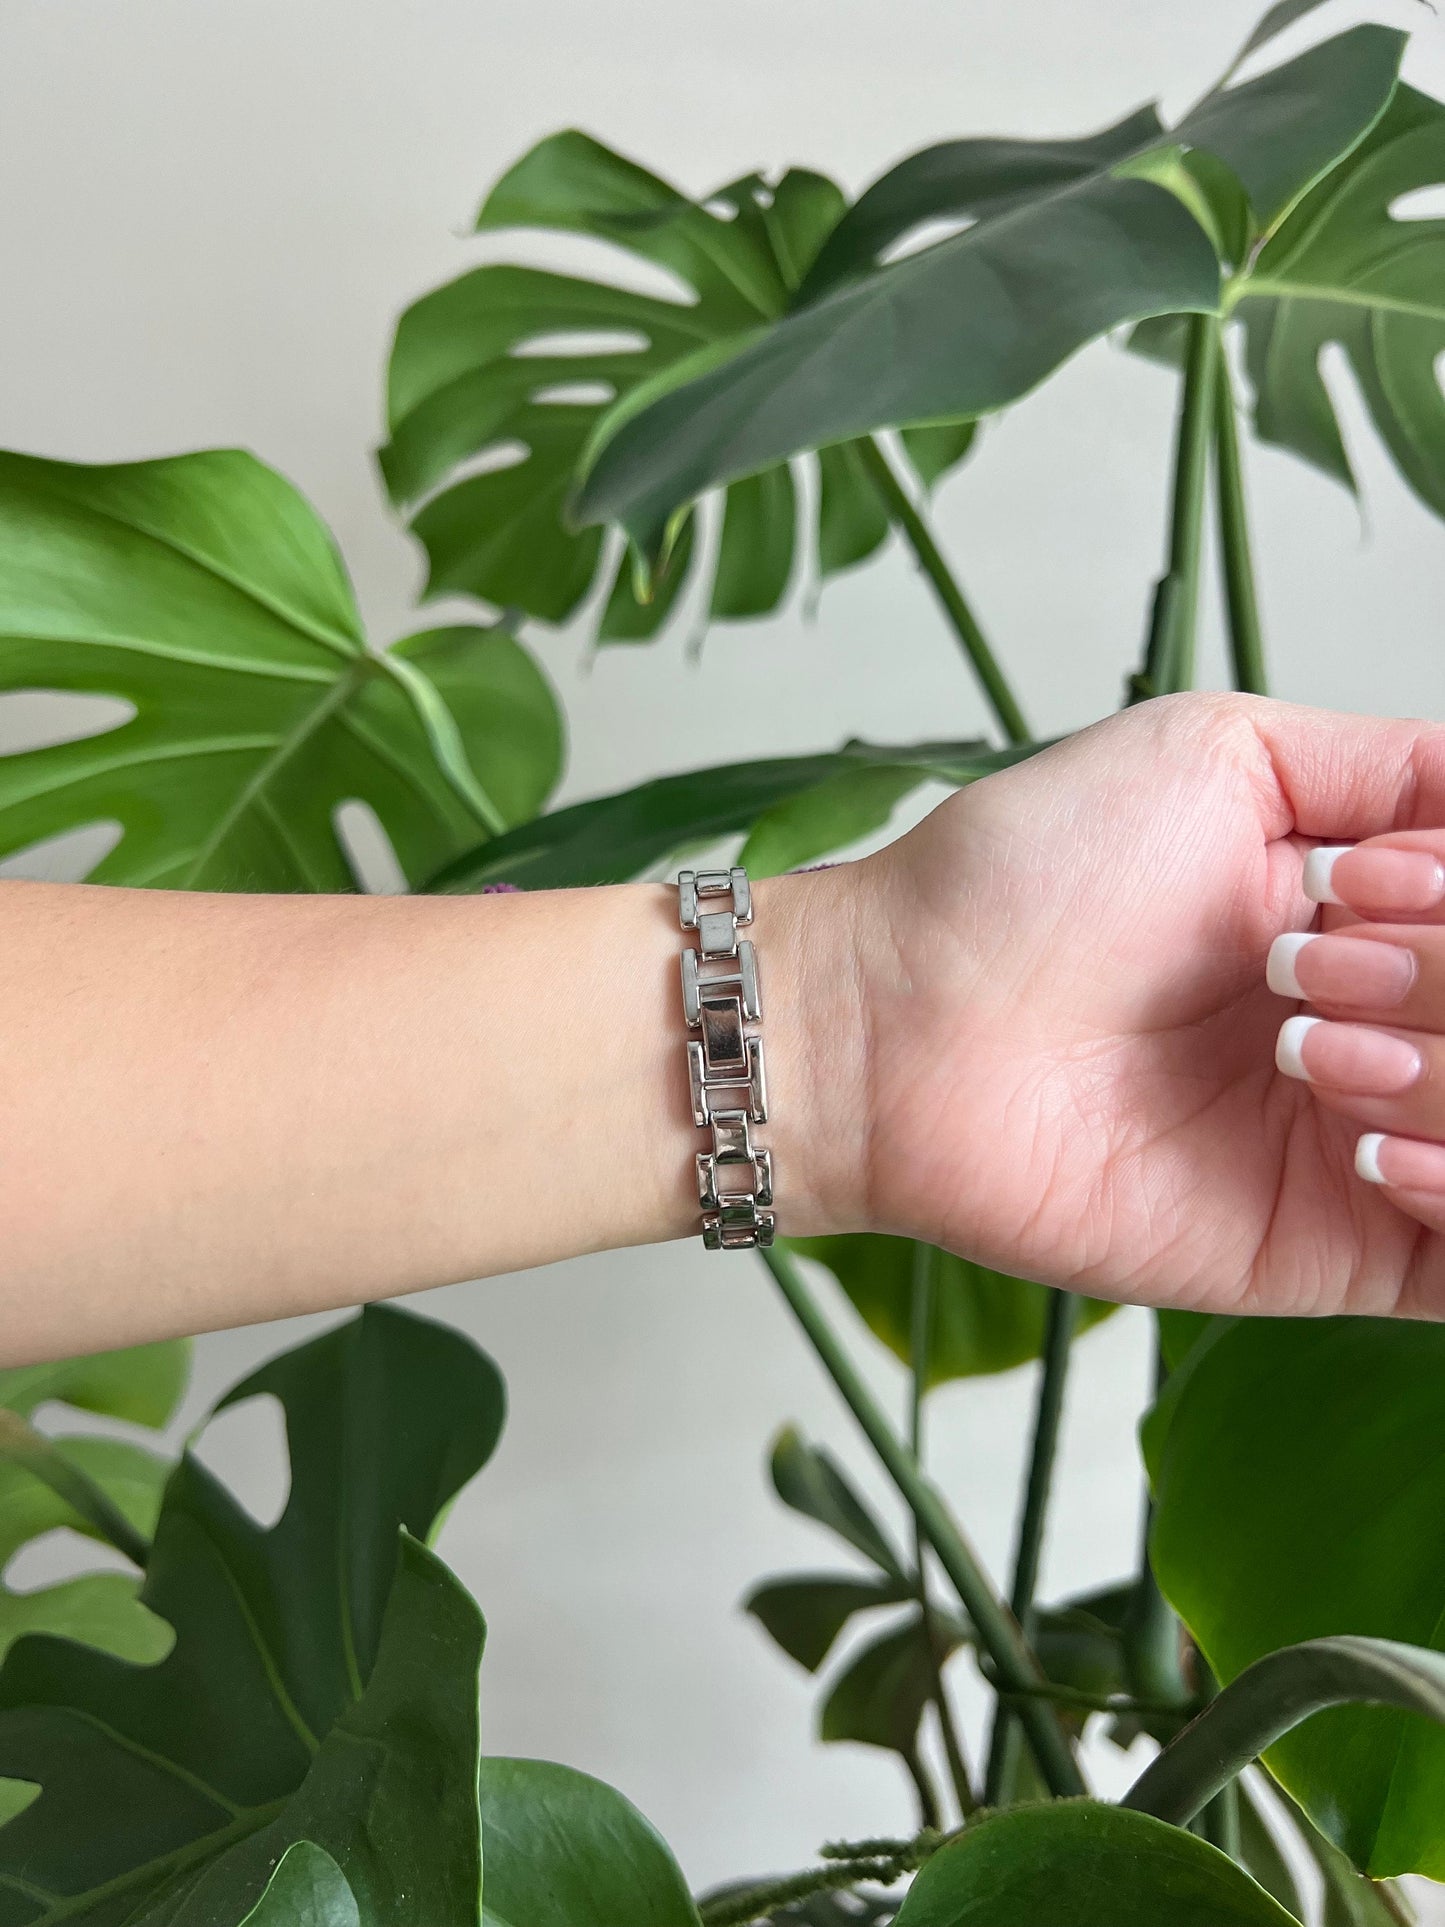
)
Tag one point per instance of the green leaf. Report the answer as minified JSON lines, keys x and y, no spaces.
{"x":755,"y":553}
{"x":308,"y":1889}
{"x":1350,"y":1899}
{"x":1283,"y":14}
{"x":976,"y":180}
{"x":322,"y":1683}
{"x":852,"y":521}
{"x":102,"y":1608}
{"x":1288,"y":1442}
{"x":1068,"y":239}
{"x":1344,"y":269}
{"x":516,"y":367}
{"x":937,"y":447}
{"x":142,"y":1386}
{"x":612,"y":838}
{"x":1078,"y":1863}
{"x":624,"y":618}
{"x":1180,"y":1332}
{"x":805,"y":1614}
{"x":844,"y":808}
{"x":203,"y":591}
{"x":1277,"y":134}
{"x":1080,"y":1642}
{"x":564,"y":1850}
{"x":1261,"y":1855}
{"x":809,"y":1479}
{"x":982,"y":1321}
{"x":986,"y":316}
{"x":879,"y":1697}
{"x":46,"y":1462}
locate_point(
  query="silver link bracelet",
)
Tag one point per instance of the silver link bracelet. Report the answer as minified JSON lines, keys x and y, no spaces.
{"x":725,"y":1062}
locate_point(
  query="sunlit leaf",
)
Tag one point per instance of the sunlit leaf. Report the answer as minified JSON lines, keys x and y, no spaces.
{"x":205,"y":592}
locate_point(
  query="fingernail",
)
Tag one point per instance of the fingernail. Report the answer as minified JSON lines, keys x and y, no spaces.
{"x":1407,"y":1163}
{"x":1279,"y":969}
{"x":1367,"y":1157}
{"x":1375,"y":879}
{"x":1319,"y":865}
{"x":1347,"y":1057}
{"x":1340,"y":970}
{"x":1292,"y":1034}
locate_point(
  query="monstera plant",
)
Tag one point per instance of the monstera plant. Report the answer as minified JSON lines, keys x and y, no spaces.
{"x":227,"y":1722}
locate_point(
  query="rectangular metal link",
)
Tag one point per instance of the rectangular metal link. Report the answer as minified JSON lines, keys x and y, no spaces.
{"x":717,"y":934}
{"x":695,"y":884}
{"x":744,"y":979}
{"x":726,"y":1062}
{"x":724,"y":1047}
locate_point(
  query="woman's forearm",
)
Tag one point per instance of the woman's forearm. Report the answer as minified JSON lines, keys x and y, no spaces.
{"x":215,"y":1109}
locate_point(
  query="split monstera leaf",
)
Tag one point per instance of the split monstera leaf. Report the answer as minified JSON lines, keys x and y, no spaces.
{"x":204,"y":595}
{"x":107,"y":1489}
{"x":1275,"y":199}
{"x":303,"y":1748}
{"x":509,"y":372}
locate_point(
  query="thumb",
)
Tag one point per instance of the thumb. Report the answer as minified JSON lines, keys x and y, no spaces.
{"x":1325,"y":774}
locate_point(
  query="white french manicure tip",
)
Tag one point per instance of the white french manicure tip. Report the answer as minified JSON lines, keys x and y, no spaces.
{"x":1292,"y":1034}
{"x":1367,"y":1157}
{"x":1319,"y":865}
{"x":1279,"y":970}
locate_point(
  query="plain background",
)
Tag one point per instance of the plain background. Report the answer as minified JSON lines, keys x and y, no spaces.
{"x":211,"y":212}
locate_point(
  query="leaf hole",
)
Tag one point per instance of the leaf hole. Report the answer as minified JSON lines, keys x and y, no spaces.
{"x":62,"y":1553}
{"x":927,"y":235}
{"x":490,"y":461}
{"x":32,"y":719}
{"x":368,"y":849}
{"x":1420,"y":204}
{"x":245,"y":1447}
{"x":583,"y":341}
{"x":67,"y":857}
{"x":575,"y":394}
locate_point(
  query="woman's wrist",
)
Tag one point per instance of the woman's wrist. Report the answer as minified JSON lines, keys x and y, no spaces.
{"x":804,"y":934}
{"x":807,"y":930}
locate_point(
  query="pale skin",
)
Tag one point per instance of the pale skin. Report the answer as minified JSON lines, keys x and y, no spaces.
{"x":1036,"y":1029}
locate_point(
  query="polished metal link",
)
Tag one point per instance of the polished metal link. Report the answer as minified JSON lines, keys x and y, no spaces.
{"x":725,"y":1064}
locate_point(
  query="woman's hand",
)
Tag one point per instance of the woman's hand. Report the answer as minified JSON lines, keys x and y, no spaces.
{"x":1069,"y":1060}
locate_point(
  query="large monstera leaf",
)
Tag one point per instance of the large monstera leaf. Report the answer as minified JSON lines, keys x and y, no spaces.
{"x":1299,"y":1491}
{"x":1346,"y":268}
{"x":322,"y":1686}
{"x":1064,"y":241}
{"x":983,"y":1321}
{"x":516,"y":365}
{"x":203,"y":591}
{"x":103,"y":1488}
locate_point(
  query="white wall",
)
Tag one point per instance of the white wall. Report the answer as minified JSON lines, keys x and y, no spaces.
{"x":209,"y":216}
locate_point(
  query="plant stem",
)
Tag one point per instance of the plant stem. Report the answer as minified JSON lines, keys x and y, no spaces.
{"x":997,"y":1630}
{"x":1060,"y":1323}
{"x":22,"y":1445}
{"x":1101,"y":1702}
{"x":925,"y":1272}
{"x":961,"y":619}
{"x":1169,"y":656}
{"x":846,"y":1867}
{"x":1221,"y":1820}
{"x":1153,"y":1668}
{"x":1246,"y":638}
